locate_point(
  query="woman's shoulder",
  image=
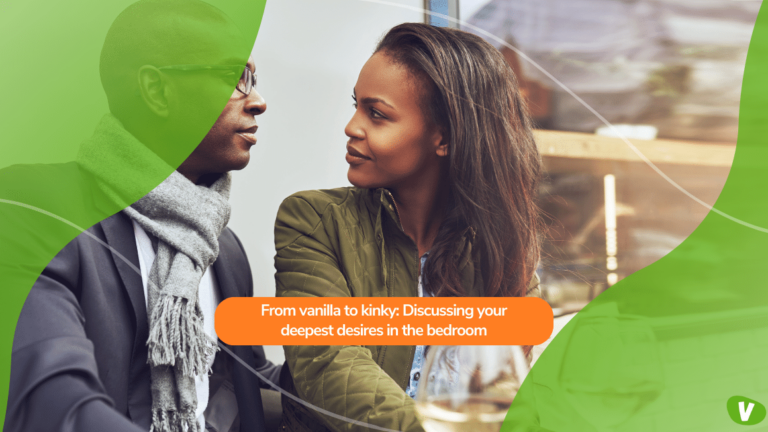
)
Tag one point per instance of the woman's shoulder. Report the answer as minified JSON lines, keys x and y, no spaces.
{"x":303,"y":213}
{"x":315,"y":204}
{"x":321,"y":199}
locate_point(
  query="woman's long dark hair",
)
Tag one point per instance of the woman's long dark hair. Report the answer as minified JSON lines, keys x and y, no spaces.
{"x":471,"y":94}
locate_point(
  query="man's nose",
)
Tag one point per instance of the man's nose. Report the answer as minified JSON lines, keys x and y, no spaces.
{"x":255,"y":104}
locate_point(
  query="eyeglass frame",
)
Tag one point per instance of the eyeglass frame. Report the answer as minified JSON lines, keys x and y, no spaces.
{"x":250,"y":84}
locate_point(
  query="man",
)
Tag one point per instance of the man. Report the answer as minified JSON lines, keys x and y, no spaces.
{"x":117,"y":333}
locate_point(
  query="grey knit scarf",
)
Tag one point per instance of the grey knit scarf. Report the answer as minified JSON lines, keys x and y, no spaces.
{"x":186,"y":221}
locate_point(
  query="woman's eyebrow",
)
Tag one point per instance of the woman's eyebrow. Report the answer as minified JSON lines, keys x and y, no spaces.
{"x":373,"y":100}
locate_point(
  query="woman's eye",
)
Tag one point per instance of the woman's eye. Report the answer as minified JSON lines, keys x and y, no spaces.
{"x":375,"y":114}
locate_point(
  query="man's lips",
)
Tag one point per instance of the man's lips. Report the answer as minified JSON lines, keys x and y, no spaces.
{"x":249,"y":134}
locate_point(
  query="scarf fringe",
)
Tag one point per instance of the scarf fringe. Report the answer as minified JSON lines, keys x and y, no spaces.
{"x":173,"y":421}
{"x":177,"y":337}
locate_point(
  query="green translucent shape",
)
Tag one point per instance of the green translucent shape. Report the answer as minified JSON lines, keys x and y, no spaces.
{"x":745,"y":411}
{"x":665,"y":348}
{"x":53,"y":166}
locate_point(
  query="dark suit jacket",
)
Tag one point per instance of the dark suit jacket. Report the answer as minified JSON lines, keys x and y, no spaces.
{"x":79,"y":357}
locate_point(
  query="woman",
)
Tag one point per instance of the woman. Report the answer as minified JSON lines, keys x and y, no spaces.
{"x":445,"y":169}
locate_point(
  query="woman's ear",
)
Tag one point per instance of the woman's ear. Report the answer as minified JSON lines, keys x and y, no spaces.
{"x":440,"y":141}
{"x":442,"y":148}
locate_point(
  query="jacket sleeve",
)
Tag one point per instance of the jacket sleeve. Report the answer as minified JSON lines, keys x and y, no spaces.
{"x":345,"y":380}
{"x":54,"y":383}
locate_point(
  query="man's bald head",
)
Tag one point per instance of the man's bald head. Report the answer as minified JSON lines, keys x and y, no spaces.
{"x":162,"y":33}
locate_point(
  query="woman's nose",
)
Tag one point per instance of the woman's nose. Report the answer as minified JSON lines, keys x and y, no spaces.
{"x":353,"y":128}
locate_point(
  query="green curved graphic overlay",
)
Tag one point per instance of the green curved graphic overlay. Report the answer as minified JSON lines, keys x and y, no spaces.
{"x":666,"y":348}
{"x":99,"y":105}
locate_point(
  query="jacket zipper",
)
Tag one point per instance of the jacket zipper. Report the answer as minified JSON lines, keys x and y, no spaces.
{"x":397,"y":212}
{"x":418,"y":260}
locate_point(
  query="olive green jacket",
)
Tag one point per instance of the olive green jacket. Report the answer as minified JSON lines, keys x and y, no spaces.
{"x":341,"y":243}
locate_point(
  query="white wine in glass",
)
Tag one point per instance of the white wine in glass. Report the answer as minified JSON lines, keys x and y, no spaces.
{"x":469,"y":388}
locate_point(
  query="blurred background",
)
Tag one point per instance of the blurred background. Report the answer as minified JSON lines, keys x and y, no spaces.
{"x":665,"y":73}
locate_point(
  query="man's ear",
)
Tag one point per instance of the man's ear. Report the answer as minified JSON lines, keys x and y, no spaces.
{"x":154,"y":90}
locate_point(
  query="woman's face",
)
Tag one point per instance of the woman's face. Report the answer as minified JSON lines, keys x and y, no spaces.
{"x":391,"y":143}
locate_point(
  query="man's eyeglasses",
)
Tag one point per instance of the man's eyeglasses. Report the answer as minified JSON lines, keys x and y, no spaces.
{"x":247,"y":78}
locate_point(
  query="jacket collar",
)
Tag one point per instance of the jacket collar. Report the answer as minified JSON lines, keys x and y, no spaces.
{"x":376,"y":203}
{"x":389,"y":206}
{"x":382,"y":204}
{"x":121,"y":239}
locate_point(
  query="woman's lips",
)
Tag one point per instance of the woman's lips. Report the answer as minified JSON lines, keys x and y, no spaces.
{"x":355,"y":160}
{"x":354,"y":157}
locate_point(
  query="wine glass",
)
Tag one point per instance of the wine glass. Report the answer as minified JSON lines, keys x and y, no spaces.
{"x":611,"y":369}
{"x":469,"y":388}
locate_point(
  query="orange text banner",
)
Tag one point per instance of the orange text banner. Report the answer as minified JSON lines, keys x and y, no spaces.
{"x":384,"y":321}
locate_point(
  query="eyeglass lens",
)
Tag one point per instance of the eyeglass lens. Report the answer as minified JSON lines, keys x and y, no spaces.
{"x":247,"y":82}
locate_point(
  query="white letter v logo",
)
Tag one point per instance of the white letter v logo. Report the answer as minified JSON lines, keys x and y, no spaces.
{"x":745,"y":414}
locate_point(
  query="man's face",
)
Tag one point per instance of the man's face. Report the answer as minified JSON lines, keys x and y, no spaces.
{"x":227,"y":144}
{"x":196,"y":97}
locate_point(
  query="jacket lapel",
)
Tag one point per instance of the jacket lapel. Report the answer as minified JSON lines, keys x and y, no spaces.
{"x":225,"y":275}
{"x":118,"y":230}
{"x":233,"y":273}
{"x":120,"y":237}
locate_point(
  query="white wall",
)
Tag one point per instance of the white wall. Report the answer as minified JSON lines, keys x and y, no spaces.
{"x":467,"y":8}
{"x":308,"y":54}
